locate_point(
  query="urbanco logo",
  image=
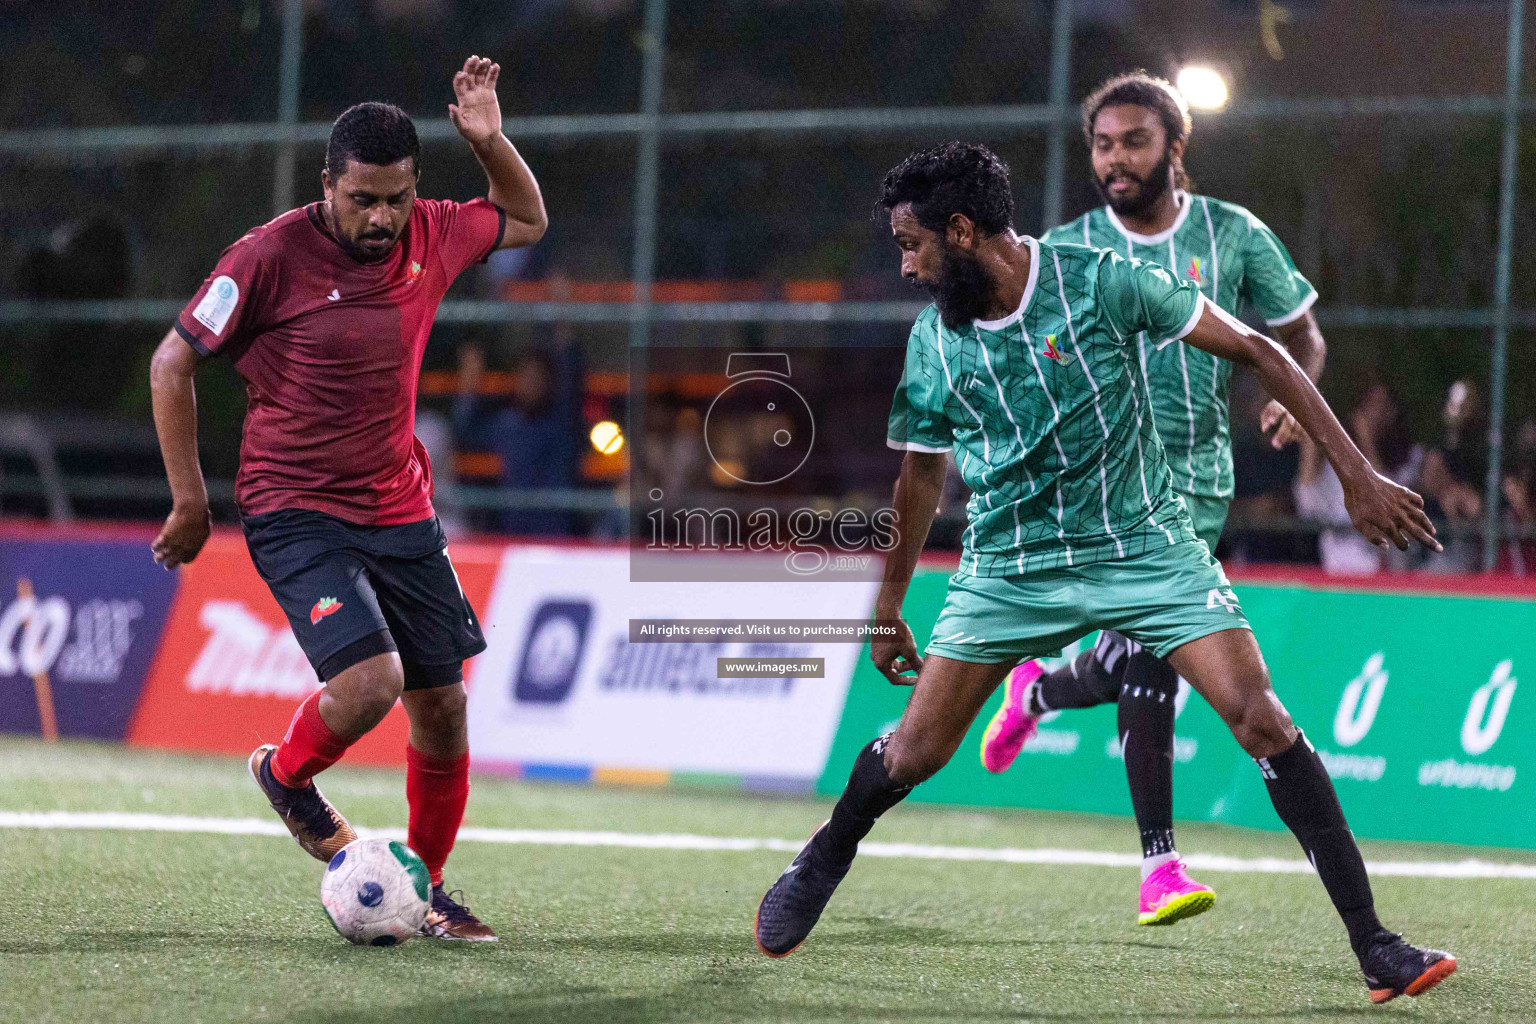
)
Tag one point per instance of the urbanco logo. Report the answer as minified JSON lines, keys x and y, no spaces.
{"x":1360,"y":702}
{"x":1488,"y":709}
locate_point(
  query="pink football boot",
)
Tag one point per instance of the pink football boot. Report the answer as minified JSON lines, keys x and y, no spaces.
{"x":1169,"y":895}
{"x":1013,"y":725}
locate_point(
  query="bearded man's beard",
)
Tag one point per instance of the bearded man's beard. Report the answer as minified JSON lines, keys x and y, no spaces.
{"x":1152,"y":188}
{"x":963,"y":289}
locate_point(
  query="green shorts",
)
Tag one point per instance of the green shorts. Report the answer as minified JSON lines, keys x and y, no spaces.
{"x":1162,"y":600}
{"x":1209,"y":516}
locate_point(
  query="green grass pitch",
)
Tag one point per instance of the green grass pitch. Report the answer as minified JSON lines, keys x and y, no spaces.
{"x":140,"y":926}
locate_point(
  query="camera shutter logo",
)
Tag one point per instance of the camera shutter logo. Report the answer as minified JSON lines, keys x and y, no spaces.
{"x":760,"y":387}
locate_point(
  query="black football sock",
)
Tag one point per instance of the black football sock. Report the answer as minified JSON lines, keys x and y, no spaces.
{"x":1146,"y":739}
{"x":1091,"y":679}
{"x":1304,"y":798}
{"x":869,"y":794}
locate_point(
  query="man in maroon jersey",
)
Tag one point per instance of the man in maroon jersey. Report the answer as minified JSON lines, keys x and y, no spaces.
{"x":325,"y":311}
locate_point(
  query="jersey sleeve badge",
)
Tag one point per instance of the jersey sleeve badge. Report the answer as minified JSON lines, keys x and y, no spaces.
{"x":217,"y":305}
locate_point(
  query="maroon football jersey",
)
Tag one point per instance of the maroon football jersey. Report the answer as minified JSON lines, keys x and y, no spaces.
{"x":330,"y":349}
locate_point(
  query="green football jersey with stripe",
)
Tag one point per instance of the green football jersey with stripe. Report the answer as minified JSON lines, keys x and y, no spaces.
{"x":1236,"y":261}
{"x":1045,"y":410}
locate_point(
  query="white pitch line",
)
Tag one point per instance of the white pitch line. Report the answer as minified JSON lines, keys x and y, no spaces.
{"x":130,"y":822}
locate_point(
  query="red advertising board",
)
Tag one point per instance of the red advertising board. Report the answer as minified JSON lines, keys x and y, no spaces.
{"x":229,"y":672}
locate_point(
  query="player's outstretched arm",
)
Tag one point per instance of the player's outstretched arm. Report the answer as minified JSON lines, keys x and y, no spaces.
{"x":1381,"y":510}
{"x":186,"y":529}
{"x":477,"y":116}
{"x":916,"y":501}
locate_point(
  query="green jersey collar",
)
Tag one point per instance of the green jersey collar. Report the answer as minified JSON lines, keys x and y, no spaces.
{"x":1184,"y":201}
{"x":1029,"y":291}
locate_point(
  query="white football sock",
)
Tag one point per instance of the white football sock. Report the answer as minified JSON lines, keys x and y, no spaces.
{"x":1151,"y":864}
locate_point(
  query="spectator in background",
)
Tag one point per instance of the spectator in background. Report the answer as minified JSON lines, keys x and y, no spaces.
{"x":1518,"y":554}
{"x":1379,"y":429}
{"x":535,"y":432}
{"x":675,"y":458}
{"x":84,"y":260}
{"x":1455,"y":471}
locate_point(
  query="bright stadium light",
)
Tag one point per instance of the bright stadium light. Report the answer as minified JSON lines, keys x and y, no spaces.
{"x":1203,"y":88}
{"x":607,"y":437}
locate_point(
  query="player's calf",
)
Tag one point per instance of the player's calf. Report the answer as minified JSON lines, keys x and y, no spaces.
{"x":1094,"y":677}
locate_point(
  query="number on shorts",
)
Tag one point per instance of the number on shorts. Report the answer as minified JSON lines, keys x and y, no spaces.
{"x":1219,"y":598}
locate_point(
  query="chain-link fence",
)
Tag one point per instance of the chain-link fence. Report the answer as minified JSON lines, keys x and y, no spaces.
{"x":740,"y":143}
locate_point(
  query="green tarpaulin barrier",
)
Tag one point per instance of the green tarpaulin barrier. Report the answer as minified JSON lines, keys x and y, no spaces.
{"x":1413,"y":700}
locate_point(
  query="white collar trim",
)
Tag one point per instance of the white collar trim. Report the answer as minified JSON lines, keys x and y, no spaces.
{"x":1029,"y":291}
{"x":1184,"y":201}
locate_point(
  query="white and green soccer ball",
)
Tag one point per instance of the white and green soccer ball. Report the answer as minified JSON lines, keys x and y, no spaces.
{"x":376,"y":892}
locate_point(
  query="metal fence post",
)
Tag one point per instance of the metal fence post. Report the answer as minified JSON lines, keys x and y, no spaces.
{"x":1500,"y":371}
{"x":1056,"y":147}
{"x":647,"y":169}
{"x":647,"y":186}
{"x":288,"y":104}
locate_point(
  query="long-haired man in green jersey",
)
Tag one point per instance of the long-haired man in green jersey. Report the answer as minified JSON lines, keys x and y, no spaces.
{"x":1137,"y":128}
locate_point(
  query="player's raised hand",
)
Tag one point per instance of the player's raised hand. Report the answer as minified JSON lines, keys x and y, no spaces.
{"x":1281,"y":426}
{"x":896,"y":654}
{"x":1386,"y":512}
{"x":185,"y":532}
{"x":477,"y":114}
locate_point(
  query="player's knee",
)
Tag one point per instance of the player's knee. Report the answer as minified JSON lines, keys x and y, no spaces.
{"x":1104,"y":673}
{"x":373,"y":686}
{"x":1104,"y":684}
{"x":911,"y":761}
{"x":1262,"y":727}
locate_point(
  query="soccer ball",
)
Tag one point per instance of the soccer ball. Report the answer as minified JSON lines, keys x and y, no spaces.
{"x":376,"y":892}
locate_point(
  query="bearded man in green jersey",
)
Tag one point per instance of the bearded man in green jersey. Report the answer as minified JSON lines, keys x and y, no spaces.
{"x":1137,"y":128}
{"x":1025,"y":367}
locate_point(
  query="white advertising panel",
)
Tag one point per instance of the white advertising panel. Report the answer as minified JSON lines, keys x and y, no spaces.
{"x":562,"y":683}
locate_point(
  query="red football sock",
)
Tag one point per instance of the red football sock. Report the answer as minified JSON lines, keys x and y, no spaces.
{"x":436,"y":791}
{"x":309,"y":748}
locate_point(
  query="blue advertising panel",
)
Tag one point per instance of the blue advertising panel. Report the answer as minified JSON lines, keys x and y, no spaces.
{"x":79,"y":623}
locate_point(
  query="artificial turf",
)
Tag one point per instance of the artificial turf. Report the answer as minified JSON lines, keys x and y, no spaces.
{"x":146,"y":926}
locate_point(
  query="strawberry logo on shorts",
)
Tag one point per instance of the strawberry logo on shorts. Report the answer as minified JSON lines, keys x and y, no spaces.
{"x":322,"y":608}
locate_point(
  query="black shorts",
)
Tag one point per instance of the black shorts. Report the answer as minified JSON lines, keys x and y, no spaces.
{"x":352,"y":592}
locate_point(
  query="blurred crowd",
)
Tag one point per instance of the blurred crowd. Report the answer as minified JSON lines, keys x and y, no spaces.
{"x":1288,"y":507}
{"x":1449,"y":467}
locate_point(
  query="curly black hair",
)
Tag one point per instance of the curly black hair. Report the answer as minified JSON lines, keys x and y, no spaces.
{"x":957,"y":177}
{"x":1138,"y":88}
{"x":372,"y":133}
